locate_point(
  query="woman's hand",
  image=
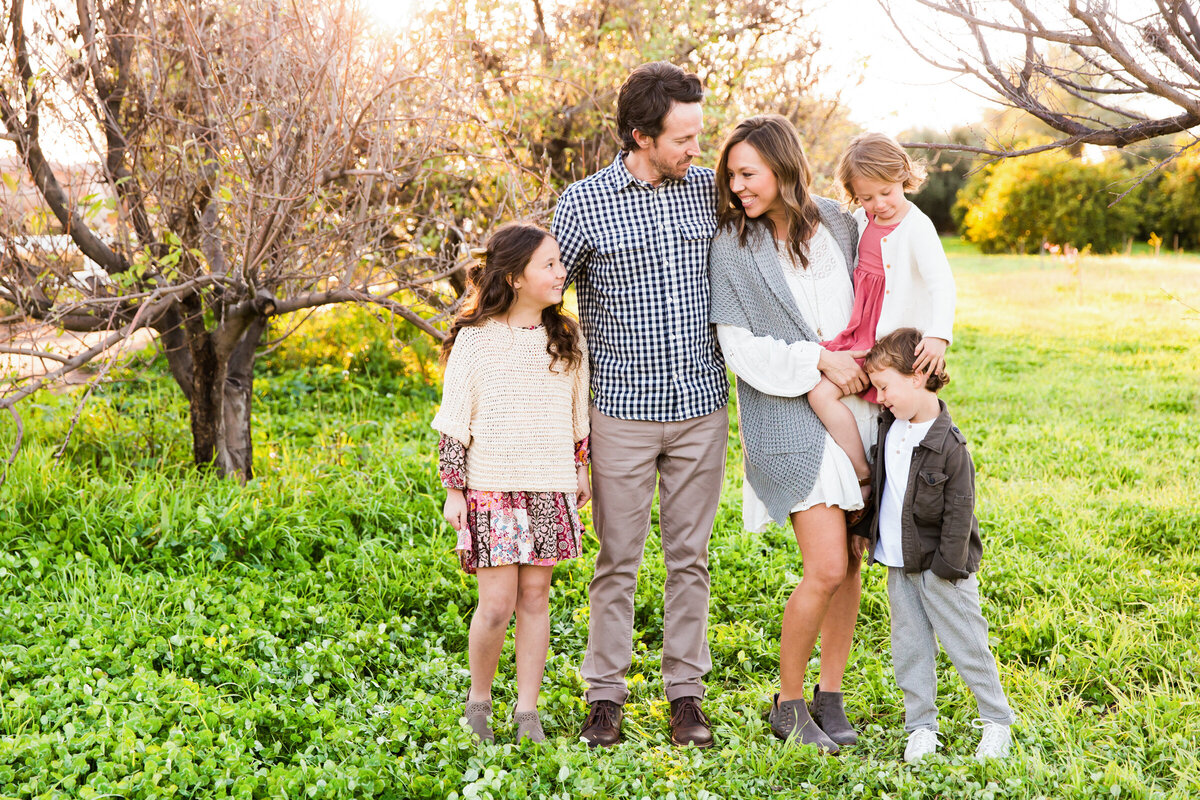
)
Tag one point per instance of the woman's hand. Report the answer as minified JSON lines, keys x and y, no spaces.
{"x":840,"y":367}
{"x":455,"y":510}
{"x":931,"y":356}
{"x":585,"y":487}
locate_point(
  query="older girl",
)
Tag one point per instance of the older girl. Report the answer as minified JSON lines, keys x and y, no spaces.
{"x":513,"y":456}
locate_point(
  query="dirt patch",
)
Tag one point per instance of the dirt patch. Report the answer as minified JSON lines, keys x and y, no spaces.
{"x":34,"y":339}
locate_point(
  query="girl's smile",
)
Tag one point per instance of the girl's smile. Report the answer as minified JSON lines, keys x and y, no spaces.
{"x":540,"y":285}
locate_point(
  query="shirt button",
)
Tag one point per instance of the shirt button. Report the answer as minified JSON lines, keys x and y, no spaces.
{"x":884,"y":239}
{"x":887,"y":291}
{"x":889,"y":266}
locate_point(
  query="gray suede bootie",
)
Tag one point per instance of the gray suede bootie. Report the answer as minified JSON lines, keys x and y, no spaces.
{"x":791,"y":719}
{"x":479,"y":714}
{"x":529,"y":726}
{"x":829,"y":713}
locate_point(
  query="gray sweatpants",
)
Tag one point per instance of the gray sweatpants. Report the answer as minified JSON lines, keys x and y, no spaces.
{"x":922,"y":605}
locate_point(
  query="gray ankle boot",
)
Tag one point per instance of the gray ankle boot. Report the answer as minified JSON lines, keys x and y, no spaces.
{"x":829,"y":713}
{"x":478,"y":714}
{"x":790,"y":718}
{"x":529,"y":725}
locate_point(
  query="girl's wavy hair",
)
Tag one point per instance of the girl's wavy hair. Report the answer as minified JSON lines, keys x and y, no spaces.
{"x":898,"y":350}
{"x":490,"y":292}
{"x":776,"y":141}
{"x":877,"y":157}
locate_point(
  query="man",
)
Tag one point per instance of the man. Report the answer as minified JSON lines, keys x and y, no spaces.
{"x":634,"y":239}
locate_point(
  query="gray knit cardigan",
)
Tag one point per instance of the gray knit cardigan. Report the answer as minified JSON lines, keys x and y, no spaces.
{"x":783,"y":442}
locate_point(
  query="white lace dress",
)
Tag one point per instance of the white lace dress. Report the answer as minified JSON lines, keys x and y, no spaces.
{"x":825,"y":296}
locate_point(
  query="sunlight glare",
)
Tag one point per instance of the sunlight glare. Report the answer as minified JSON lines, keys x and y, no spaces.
{"x":396,"y":15}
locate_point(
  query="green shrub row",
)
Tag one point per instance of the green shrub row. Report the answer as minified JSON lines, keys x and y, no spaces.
{"x":1057,"y":199}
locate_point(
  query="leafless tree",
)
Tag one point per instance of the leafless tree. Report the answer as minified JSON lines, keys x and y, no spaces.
{"x":262,"y":159}
{"x":1102,"y":72}
{"x":267,"y":157}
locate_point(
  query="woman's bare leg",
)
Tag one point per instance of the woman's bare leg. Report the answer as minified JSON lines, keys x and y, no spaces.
{"x":837,"y":633}
{"x":821,"y":534}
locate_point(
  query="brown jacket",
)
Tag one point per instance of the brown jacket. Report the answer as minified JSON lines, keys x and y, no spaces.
{"x":938,"y":529}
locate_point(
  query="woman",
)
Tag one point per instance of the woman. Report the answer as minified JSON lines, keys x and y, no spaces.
{"x":780,"y":268}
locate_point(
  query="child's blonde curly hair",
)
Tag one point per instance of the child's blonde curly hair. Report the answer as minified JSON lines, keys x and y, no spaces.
{"x":877,"y":157}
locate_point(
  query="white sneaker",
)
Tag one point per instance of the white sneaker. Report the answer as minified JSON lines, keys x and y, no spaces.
{"x":995,"y":742}
{"x":921,"y":742}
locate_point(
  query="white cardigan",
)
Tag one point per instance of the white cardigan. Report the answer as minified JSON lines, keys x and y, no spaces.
{"x":920,"y":286}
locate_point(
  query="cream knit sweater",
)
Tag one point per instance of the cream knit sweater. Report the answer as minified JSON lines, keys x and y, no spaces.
{"x":518,"y":419}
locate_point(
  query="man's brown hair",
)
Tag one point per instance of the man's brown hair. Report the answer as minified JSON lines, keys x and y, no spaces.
{"x":646,"y":98}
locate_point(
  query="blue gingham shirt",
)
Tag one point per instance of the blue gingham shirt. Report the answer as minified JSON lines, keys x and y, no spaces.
{"x":638,"y":256}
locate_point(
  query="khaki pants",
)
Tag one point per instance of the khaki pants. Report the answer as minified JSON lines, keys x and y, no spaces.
{"x":688,"y":459}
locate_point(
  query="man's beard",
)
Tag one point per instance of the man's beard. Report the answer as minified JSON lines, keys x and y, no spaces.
{"x":670,"y":169}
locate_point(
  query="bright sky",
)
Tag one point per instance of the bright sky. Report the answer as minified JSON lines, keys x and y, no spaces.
{"x":899,"y":89}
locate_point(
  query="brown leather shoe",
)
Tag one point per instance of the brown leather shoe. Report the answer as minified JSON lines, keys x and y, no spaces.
{"x":689,"y":725}
{"x":602,"y":728}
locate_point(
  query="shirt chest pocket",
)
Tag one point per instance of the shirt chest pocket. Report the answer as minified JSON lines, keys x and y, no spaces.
{"x":696,"y":230}
{"x":929,"y":497}
{"x":619,"y":244}
{"x":624,"y":263}
{"x":694,"y":239}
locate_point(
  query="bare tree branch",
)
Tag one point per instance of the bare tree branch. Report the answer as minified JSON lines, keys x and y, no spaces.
{"x":1153,"y":60}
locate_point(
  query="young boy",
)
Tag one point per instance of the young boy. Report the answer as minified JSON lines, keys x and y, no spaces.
{"x":927,"y":536}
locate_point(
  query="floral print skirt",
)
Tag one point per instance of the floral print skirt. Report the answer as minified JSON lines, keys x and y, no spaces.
{"x":536,"y":528}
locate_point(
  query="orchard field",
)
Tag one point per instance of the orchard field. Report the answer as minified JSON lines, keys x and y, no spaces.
{"x":165,"y":634}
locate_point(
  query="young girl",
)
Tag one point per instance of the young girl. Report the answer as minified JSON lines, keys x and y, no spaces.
{"x":927,"y":536}
{"x":513,"y":456}
{"x":902,"y":279}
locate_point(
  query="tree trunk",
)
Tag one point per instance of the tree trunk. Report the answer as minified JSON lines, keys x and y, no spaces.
{"x":218,"y":382}
{"x":235,"y":448}
{"x":208,"y":380}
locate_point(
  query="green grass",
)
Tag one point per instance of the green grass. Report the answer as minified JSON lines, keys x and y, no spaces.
{"x":167,"y":634}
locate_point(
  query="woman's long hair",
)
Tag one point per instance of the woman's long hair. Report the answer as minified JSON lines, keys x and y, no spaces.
{"x":776,"y":141}
{"x":490,"y":292}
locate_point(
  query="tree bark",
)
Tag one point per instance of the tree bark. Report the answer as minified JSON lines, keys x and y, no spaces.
{"x":235,"y":448}
{"x":208,"y":379}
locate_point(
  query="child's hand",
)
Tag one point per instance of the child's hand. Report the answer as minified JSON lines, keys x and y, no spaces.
{"x":585,"y":487}
{"x":858,"y":546}
{"x":455,"y":510}
{"x":931,"y":356}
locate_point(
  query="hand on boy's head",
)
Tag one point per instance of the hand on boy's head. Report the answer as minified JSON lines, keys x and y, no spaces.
{"x":931,"y":356}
